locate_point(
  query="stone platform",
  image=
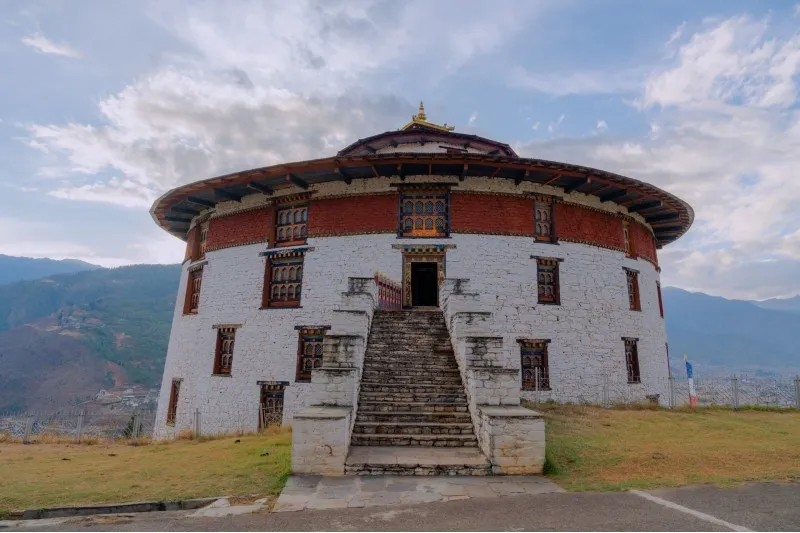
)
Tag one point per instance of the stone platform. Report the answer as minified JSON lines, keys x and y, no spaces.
{"x":416,"y":460}
{"x":320,"y":492}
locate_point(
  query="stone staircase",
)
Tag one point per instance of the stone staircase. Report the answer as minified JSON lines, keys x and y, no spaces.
{"x":413,"y":417}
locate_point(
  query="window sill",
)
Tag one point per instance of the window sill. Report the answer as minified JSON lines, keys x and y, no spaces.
{"x":289,"y":243}
{"x":302,"y":381}
{"x":548,"y":303}
{"x":190,"y":313}
{"x":639,"y":382}
{"x":537,"y":241}
{"x":221,"y":375}
{"x":639,"y":310}
{"x":424,"y":237}
{"x":170,"y":424}
{"x":548,"y":389}
{"x":262,"y":308}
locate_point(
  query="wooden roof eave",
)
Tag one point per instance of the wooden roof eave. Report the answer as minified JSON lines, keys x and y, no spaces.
{"x":281,"y":175}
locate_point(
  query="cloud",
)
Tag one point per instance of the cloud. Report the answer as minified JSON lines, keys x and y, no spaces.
{"x":602,"y":125}
{"x":260,"y":85}
{"x":732,"y":62}
{"x":472,"y":118}
{"x":535,"y":125}
{"x":553,"y":126}
{"x":677,"y":34}
{"x":43,"y":45}
{"x":716,"y":143}
{"x":125,"y":193}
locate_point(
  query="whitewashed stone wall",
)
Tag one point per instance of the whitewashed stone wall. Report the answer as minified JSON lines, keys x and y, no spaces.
{"x":586,"y":352}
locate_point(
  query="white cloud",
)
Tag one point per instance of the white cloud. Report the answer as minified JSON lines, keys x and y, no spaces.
{"x":263,"y":84}
{"x":602,"y":125}
{"x":729,"y":63}
{"x":43,"y":45}
{"x":677,"y":34}
{"x":553,"y":126}
{"x":535,"y":125}
{"x":472,"y":118}
{"x":125,"y":193}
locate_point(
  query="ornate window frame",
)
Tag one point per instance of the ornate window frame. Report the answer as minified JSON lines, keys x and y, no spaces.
{"x":172,"y":406}
{"x":291,"y":223}
{"x":534,"y":364}
{"x":544,"y":218}
{"x":194,"y":284}
{"x":547,"y":275}
{"x":423,"y":212}
{"x":223,"y":352}
{"x":632,"y":282}
{"x":309,"y":350}
{"x":632,"y":359}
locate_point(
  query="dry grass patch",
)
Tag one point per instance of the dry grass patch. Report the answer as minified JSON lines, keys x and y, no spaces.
{"x":590,"y":448}
{"x":51,"y":475}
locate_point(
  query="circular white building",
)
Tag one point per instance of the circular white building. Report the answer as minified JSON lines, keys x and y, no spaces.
{"x":551,"y":266}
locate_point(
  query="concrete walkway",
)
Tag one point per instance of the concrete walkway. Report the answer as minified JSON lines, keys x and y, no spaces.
{"x":318,"y":493}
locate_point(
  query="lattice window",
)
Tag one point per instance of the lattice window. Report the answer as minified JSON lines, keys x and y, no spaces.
{"x":535,"y":372}
{"x":309,"y":352}
{"x":633,"y":290}
{"x":223,"y":362}
{"x":632,"y":361}
{"x":291,"y":226}
{"x":193,"y":286}
{"x":424,"y":214}
{"x":626,"y":235}
{"x":270,"y":408}
{"x":284,"y":281}
{"x":544,"y":228}
{"x":660,"y":301}
{"x":202,"y":240}
{"x":172,"y":408}
{"x":547,"y":281}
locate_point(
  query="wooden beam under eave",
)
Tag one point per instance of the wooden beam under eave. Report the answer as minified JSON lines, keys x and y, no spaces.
{"x":463,"y":172}
{"x":527,"y":174}
{"x":369,"y":149}
{"x":184,"y":211}
{"x":177,"y":219}
{"x":552,"y":180}
{"x":343,"y":176}
{"x":375,"y":172}
{"x":497,"y":171}
{"x":199,"y":201}
{"x":669,"y":229}
{"x":613,"y":195}
{"x":643,"y":206}
{"x":400,"y":173}
{"x":291,"y":178}
{"x":260,"y":188}
{"x":569,"y":188}
{"x":226,"y":195}
{"x":661,"y":218}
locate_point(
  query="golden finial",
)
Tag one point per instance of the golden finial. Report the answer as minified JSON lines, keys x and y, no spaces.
{"x":421,"y":113}
{"x":421,"y":119}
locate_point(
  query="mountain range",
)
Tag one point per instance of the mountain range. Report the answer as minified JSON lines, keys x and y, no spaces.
{"x":66,"y":336}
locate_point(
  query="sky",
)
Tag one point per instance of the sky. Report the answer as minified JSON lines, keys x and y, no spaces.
{"x":106,"y":105}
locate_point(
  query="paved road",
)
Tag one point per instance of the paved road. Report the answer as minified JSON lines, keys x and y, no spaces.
{"x":763,"y":506}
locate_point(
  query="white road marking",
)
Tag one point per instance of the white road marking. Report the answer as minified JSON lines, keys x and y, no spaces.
{"x":697,"y":514}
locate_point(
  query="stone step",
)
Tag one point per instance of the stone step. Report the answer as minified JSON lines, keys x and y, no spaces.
{"x":412,"y":407}
{"x":392,"y":387}
{"x":413,"y":428}
{"x":410,"y":372}
{"x":430,"y":380}
{"x":447,"y":441}
{"x":416,"y":461}
{"x":429,"y":417}
{"x":422,"y":397}
{"x":384,"y":362}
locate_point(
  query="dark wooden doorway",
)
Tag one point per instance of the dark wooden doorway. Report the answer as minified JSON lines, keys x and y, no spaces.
{"x":424,"y":284}
{"x":270,"y":408}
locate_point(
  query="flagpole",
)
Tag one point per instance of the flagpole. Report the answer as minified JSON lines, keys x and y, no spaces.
{"x":689,"y":374}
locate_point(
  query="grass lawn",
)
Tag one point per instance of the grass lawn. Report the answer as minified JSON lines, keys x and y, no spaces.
{"x":590,"y":448}
{"x":50,"y":475}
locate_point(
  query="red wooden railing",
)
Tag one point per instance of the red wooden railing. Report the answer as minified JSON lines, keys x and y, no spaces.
{"x":389,"y":292}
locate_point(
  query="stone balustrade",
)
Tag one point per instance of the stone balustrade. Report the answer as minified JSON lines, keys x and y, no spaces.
{"x":511,"y":436}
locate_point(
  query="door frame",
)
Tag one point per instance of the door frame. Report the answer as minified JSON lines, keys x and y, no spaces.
{"x":421,"y":255}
